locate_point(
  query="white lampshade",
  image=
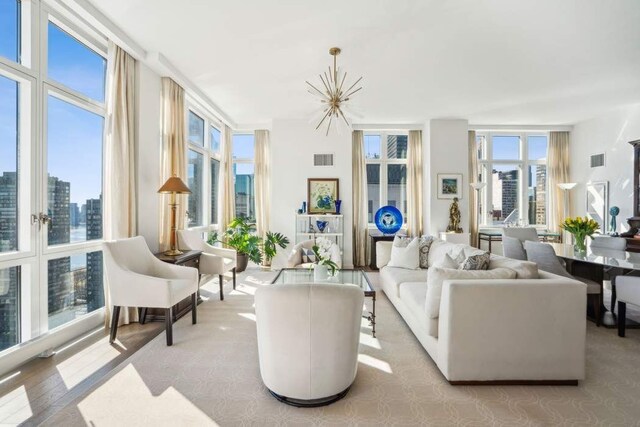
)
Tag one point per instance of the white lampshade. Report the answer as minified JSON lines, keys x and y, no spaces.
{"x":567,"y":185}
{"x":478,"y":185}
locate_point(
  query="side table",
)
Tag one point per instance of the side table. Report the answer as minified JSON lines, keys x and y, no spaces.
{"x":186,"y":259}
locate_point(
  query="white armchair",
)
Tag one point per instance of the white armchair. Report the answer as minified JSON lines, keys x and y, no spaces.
{"x":628,"y":293}
{"x":308,"y":338}
{"x":138,"y":279}
{"x":213,"y":260}
{"x":295,"y":255}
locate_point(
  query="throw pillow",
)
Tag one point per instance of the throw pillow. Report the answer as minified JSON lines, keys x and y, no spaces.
{"x":477,"y":262}
{"x":407,"y":256}
{"x":523,"y":269}
{"x":512,"y":248}
{"x":437,"y":276}
{"x":447,"y":262}
{"x":425,"y":245}
{"x":308,"y":256}
{"x":401,"y":241}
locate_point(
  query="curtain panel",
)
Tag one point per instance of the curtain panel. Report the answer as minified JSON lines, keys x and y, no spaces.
{"x":262,"y":184}
{"x":557,"y":173}
{"x":473,"y":194}
{"x":174,"y":151}
{"x":227,"y":202}
{"x":120,"y":216}
{"x":414,"y":183}
{"x":359,"y":189}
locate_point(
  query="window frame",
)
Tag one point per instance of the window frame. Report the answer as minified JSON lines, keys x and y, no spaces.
{"x":208,"y":154}
{"x":384,"y":161}
{"x":522,"y":164}
{"x":244,"y":160}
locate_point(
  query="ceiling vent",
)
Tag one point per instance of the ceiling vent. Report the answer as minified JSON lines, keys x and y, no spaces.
{"x":323,"y":160}
{"x":597,"y":160}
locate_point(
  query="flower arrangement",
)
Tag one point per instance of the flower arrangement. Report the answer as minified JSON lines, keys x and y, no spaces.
{"x":580,"y":228}
{"x":322,"y":251}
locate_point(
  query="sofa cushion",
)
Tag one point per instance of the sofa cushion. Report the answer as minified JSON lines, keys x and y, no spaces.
{"x":523,"y":269}
{"x":397,"y":276}
{"x":477,"y":262}
{"x":447,"y":262}
{"x":413,"y":296}
{"x":438,"y":249}
{"x":436,"y":277}
{"x":405,"y":255}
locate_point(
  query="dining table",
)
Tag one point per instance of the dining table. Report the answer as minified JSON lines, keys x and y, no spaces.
{"x":596,"y":263}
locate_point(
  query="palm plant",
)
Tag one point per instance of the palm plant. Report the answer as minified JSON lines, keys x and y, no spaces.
{"x":271,"y":243}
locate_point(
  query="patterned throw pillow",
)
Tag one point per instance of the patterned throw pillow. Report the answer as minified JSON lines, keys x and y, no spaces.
{"x":308,"y":256}
{"x":477,"y":262}
{"x":425,"y":245}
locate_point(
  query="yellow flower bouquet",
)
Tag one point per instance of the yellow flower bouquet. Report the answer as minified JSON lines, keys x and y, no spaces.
{"x":580,"y":228}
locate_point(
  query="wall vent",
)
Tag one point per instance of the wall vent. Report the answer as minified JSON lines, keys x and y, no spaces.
{"x":323,"y":160}
{"x":597,"y":160}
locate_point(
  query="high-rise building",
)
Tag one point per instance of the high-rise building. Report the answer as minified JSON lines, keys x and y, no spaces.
{"x":541,"y":194}
{"x":9,"y":277}
{"x":8,"y":211}
{"x":509,"y":181}
{"x":74,"y":215}
{"x":59,"y":280}
{"x":94,"y":285}
{"x":245,"y":197}
{"x":397,"y":146}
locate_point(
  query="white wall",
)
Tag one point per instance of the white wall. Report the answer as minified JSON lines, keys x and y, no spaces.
{"x":293,"y":143}
{"x":609,"y":134}
{"x":448,"y":153}
{"x":148,"y":156}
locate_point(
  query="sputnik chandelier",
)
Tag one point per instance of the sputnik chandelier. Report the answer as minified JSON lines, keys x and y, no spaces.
{"x":333,"y":98}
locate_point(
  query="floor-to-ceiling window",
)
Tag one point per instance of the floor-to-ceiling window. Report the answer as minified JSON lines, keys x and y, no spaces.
{"x":243,"y":175}
{"x":203,"y":168}
{"x":386,"y":161}
{"x":52,"y":109}
{"x":514,"y":166}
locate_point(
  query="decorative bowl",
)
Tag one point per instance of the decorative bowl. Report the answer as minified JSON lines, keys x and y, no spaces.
{"x":388,"y":219}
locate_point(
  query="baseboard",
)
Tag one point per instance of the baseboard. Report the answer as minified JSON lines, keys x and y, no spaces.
{"x":517,"y":382}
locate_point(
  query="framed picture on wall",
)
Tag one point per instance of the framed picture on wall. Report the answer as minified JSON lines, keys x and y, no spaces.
{"x":322,"y":194}
{"x":598,"y":203}
{"x":449,"y":185}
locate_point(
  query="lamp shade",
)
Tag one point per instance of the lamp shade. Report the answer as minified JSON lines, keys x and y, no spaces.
{"x":567,"y":185}
{"x":174,"y":185}
{"x":478,"y":185}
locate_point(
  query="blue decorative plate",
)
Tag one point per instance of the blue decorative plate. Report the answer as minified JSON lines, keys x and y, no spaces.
{"x":388,"y":219}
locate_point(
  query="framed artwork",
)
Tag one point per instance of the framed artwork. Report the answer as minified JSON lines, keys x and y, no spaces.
{"x":322,"y":194}
{"x":598,"y":203}
{"x":449,"y":185}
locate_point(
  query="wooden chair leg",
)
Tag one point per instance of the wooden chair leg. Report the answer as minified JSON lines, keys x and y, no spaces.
{"x":234,"y":278}
{"x":221,"y":286}
{"x":168,"y":320}
{"x":622,"y":318}
{"x":143,"y":315}
{"x":194,"y":308}
{"x":115,"y":315}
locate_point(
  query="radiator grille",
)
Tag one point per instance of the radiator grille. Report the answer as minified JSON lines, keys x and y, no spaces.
{"x":597,"y":160}
{"x":323,"y":159}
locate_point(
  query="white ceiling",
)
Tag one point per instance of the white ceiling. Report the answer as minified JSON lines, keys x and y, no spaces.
{"x":489,"y":61}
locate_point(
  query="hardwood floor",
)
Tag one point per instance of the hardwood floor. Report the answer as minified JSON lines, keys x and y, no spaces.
{"x":42,"y":386}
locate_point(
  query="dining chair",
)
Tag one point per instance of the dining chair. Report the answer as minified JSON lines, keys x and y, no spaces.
{"x":213,"y":260}
{"x":513,"y":238}
{"x":137,"y":278}
{"x":628,"y":293}
{"x":547,"y":260}
{"x":604,"y":244}
{"x":521,"y":233}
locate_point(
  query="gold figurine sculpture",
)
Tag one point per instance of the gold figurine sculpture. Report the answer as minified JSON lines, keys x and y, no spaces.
{"x":454,"y":217}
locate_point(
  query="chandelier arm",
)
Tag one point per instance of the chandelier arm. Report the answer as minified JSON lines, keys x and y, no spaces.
{"x":353,"y":85}
{"x":323,"y":95}
{"x":344,"y":77}
{"x":323,"y":118}
{"x":351,"y":93}
{"x":325,"y":85}
{"x":328,"y":82}
{"x":343,"y":117}
{"x":329,"y":125}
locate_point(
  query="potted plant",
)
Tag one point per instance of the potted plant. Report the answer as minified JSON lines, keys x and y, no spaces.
{"x":240,"y":235}
{"x":323,"y":264}
{"x":580,"y":228}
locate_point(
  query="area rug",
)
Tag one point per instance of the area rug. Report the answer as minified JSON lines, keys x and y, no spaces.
{"x":210,"y":376}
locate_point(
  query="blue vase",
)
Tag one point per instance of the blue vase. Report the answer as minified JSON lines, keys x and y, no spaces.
{"x":321,"y":225}
{"x":338,"y":204}
{"x":388,"y":219}
{"x":304,"y":207}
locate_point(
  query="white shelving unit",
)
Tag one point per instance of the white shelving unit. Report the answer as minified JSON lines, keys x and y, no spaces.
{"x":306,"y":228}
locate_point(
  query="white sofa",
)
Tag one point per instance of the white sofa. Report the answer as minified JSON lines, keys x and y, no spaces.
{"x":525,"y":330}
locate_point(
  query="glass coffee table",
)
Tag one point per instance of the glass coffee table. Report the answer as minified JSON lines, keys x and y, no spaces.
{"x":289,"y":276}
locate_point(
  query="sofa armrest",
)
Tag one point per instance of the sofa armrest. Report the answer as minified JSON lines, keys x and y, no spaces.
{"x":492,"y":330}
{"x":383,"y":253}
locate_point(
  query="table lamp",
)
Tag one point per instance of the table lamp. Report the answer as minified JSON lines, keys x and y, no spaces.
{"x":173,"y":186}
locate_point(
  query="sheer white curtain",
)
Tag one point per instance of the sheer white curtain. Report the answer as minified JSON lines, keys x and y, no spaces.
{"x":227,"y":202}
{"x":473,"y":193}
{"x":120,"y":159}
{"x":557,"y":173}
{"x":414,"y":183}
{"x":359,"y":188}
{"x":262,"y":185}
{"x":173,"y":155}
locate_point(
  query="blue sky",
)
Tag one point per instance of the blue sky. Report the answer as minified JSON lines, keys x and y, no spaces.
{"x":8,"y":25}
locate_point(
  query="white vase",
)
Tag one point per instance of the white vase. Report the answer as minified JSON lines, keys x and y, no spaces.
{"x":320,"y":273}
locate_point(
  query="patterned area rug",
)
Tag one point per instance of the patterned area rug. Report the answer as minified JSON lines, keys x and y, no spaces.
{"x":211,"y":377}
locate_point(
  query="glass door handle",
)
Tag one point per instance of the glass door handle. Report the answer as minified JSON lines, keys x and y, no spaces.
{"x":41,"y":218}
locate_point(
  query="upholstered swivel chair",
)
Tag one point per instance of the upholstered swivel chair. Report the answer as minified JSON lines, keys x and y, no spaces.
{"x":547,"y":260}
{"x":213,"y":260}
{"x":610,"y":246}
{"x":308,"y":338}
{"x":628,"y":293}
{"x":513,"y":239}
{"x":138,"y":279}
